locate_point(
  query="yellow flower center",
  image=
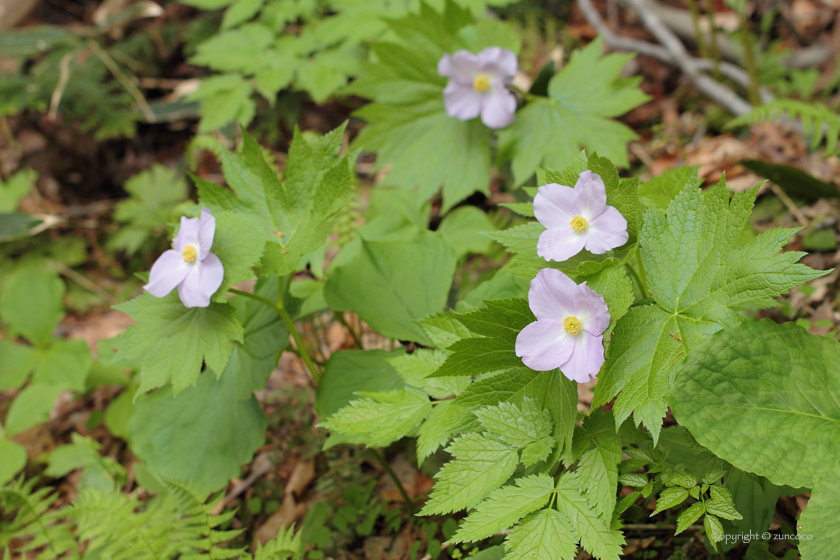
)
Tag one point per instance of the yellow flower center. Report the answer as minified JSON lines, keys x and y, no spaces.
{"x":189,"y":254}
{"x":572,"y":325}
{"x":578,"y":224}
{"x":481,"y":83}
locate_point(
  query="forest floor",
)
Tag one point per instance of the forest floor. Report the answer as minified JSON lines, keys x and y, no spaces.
{"x":345,"y":495}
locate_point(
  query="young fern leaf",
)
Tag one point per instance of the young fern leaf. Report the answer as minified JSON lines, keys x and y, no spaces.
{"x":818,"y":121}
{"x":46,"y":534}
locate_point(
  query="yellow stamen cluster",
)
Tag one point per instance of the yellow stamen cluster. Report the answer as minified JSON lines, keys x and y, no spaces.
{"x":481,"y":83}
{"x":578,"y":224}
{"x":189,"y":253}
{"x":572,"y":325}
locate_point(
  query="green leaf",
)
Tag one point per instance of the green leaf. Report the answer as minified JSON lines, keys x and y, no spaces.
{"x":31,"y":406}
{"x":689,"y":516}
{"x":596,"y":537}
{"x":751,"y":392}
{"x":545,"y":535}
{"x":14,"y":459}
{"x":16,"y":361}
{"x":152,"y":195}
{"x":15,"y":188}
{"x":695,"y":298}
{"x":714,"y":529}
{"x":660,"y":191}
{"x":443,"y":329}
{"x":722,"y":509}
{"x":172,"y":341}
{"x":582,"y":98}
{"x":504,"y":507}
{"x":793,"y":181}
{"x":391,"y":284}
{"x":83,"y":453}
{"x":598,"y":475}
{"x":819,"y":533}
{"x":498,"y":324}
{"x":415,"y":369}
{"x":65,"y":365}
{"x":224,"y":99}
{"x":241,"y":11}
{"x":755,"y":498}
{"x":382,"y":417}
{"x":203,"y":435}
{"x":516,"y":425}
{"x":463,"y":228}
{"x":438,"y":428}
{"x":669,"y":498}
{"x":31,"y":303}
{"x":238,"y":248}
{"x":480,"y":466}
{"x":351,"y":371}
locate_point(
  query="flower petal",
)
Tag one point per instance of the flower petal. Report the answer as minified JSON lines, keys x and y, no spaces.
{"x":499,"y":106}
{"x":607,"y":231}
{"x":591,"y":309}
{"x":591,"y":195}
{"x":500,"y":62}
{"x":544,"y":345}
{"x":555,"y":205}
{"x":188,"y":234}
{"x":167,"y":272}
{"x":207,"y":230}
{"x":552,"y":295}
{"x":586,"y":359}
{"x":190,"y":289}
{"x":462,"y":102}
{"x":212,"y":274}
{"x":560,"y":243}
{"x":460,"y":66}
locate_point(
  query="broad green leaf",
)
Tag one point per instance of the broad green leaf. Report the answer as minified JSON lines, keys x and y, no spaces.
{"x":13,"y":459}
{"x":818,"y":530}
{"x":714,"y":529}
{"x":793,"y":181}
{"x":203,"y":435}
{"x":65,"y":365}
{"x":351,"y":371}
{"x":415,"y":369}
{"x":31,"y":406}
{"x":687,"y":518}
{"x":498,"y":324}
{"x":549,"y":389}
{"x":16,"y":187}
{"x":480,"y":466}
{"x":16,"y":361}
{"x":697,"y":276}
{"x":31,"y":303}
{"x":598,"y":476}
{"x":516,"y":425}
{"x":83,"y":453}
{"x":504,"y":507}
{"x":751,"y":392}
{"x":582,"y":98}
{"x":438,"y":428}
{"x":392,"y":284}
{"x":443,"y":329}
{"x":755,"y":498}
{"x":380,"y":418}
{"x":545,"y":535}
{"x":660,"y":191}
{"x":224,"y":99}
{"x":265,"y":337}
{"x":238,"y":248}
{"x":153,"y":194}
{"x":621,"y":194}
{"x":463,"y":229}
{"x":669,"y":498}
{"x":725,"y":510}
{"x":596,"y":537}
{"x":172,"y":341}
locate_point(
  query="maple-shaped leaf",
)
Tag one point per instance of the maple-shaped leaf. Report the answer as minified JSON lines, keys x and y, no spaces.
{"x":292,"y":217}
{"x":582,"y":99}
{"x":699,"y":278}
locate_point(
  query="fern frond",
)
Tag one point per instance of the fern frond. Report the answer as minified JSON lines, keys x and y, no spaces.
{"x":285,"y":546}
{"x":48,"y":534}
{"x":818,"y":121}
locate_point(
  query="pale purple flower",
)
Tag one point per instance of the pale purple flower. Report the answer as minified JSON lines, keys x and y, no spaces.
{"x":568,"y":332}
{"x":478,"y":85}
{"x":577,"y":218}
{"x":190,"y":265}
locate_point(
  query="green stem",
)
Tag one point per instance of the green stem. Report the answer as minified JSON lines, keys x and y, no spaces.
{"x":527,"y":96}
{"x":749,"y":60}
{"x":381,"y":460}
{"x":695,"y":19}
{"x":356,"y":338}
{"x":290,"y":325}
{"x":642,"y":272}
{"x":638,"y":280}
